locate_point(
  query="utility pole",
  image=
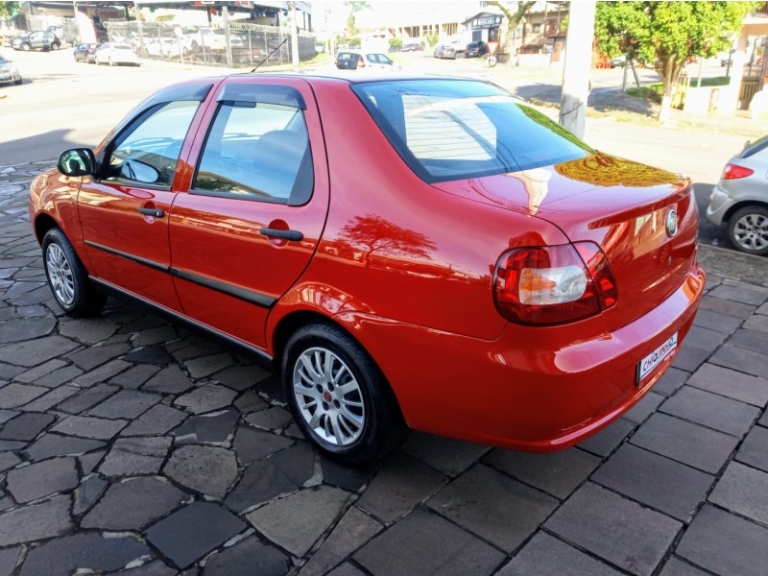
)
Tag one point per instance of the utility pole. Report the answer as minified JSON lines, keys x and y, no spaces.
{"x":294,"y":37}
{"x":578,"y":66}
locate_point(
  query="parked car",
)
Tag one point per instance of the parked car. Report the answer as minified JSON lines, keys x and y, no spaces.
{"x":9,"y":72}
{"x":412,"y":47}
{"x":618,"y":62}
{"x":739,"y":201}
{"x":112,"y":54}
{"x":725,"y":57}
{"x":36,"y":40}
{"x":357,"y":60}
{"x":459,"y":48}
{"x":476,"y":49}
{"x":164,"y":47}
{"x":444,"y":51}
{"x":85,"y":51}
{"x":545,"y":286}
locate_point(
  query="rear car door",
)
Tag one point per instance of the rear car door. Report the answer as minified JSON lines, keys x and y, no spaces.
{"x":255,"y":210}
{"x":124,"y":212}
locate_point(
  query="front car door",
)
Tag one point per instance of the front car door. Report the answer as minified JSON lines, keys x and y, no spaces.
{"x":256,"y":207}
{"x":124,"y":212}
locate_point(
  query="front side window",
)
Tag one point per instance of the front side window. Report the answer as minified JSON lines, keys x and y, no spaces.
{"x":457,"y":129}
{"x":147,"y":153}
{"x":257,"y":151}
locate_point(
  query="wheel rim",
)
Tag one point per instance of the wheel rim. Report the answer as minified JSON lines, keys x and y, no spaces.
{"x":60,"y":275}
{"x":751,"y":232}
{"x":328,"y":397}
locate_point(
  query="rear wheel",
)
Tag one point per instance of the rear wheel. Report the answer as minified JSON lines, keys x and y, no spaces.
{"x":68,"y":278}
{"x":748,"y":230}
{"x":339,"y":397}
{"x":55,"y":46}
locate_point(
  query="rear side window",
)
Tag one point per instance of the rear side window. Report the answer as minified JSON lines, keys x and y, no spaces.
{"x":257,"y":151}
{"x":458,"y":129}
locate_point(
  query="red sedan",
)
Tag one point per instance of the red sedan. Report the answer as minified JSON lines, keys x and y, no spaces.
{"x":428,"y":252}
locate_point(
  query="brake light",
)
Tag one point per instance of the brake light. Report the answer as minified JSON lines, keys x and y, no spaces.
{"x":734,"y":172}
{"x":554,"y":284}
{"x":361,"y":62}
{"x":336,"y":61}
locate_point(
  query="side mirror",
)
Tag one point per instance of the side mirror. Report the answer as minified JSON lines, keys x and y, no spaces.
{"x":77,"y":162}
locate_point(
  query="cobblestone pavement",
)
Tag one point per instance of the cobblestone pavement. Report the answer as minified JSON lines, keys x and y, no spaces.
{"x":130,"y":445}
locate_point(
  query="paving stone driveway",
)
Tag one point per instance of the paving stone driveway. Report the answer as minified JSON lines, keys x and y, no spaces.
{"x":130,"y":445}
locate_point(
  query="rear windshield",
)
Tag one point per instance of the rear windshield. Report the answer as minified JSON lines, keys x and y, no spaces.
{"x":755,"y":147}
{"x":458,"y":129}
{"x":345,"y":56}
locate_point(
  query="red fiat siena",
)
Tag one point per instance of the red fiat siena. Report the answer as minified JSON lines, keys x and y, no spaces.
{"x":417,"y":251}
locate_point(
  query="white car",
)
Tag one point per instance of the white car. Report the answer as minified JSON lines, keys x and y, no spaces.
{"x":9,"y":72}
{"x":360,"y":60}
{"x":164,"y":47}
{"x":111,"y":53}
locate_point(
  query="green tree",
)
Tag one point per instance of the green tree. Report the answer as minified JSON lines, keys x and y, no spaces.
{"x":667,"y":34}
{"x":513,"y":19}
{"x":9,"y":9}
{"x":354,"y":8}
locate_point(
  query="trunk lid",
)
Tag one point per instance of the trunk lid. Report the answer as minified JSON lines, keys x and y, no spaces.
{"x":625,"y":207}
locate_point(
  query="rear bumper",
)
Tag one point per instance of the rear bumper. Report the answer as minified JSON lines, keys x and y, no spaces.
{"x":527,"y":390}
{"x":719,"y":204}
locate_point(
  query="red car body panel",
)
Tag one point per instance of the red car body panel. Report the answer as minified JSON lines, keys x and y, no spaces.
{"x":408,"y":269}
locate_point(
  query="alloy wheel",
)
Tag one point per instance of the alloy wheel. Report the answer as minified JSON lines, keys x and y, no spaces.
{"x":751,"y":232}
{"x":328,"y":397}
{"x":60,"y":274}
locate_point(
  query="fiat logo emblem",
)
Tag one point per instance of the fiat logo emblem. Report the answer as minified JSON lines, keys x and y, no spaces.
{"x":670,"y":222}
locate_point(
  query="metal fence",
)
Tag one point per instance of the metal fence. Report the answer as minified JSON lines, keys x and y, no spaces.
{"x":237,"y":45}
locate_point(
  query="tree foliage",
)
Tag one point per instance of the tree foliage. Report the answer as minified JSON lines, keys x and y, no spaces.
{"x":9,"y":9}
{"x":354,"y":8}
{"x":667,"y":34}
{"x":513,"y":18}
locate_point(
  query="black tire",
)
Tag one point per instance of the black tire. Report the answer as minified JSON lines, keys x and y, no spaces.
{"x":749,"y":226}
{"x":381,"y":427}
{"x":67,"y":277}
{"x":26,"y":47}
{"x":55,"y":46}
{"x":17,"y":82}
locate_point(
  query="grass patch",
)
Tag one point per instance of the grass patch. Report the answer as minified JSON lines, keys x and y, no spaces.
{"x":647,"y":93}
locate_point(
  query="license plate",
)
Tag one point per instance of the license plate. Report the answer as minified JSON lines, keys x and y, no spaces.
{"x":650,"y":362}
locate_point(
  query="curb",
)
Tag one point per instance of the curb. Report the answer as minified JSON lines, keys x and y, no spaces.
{"x":734,"y":265}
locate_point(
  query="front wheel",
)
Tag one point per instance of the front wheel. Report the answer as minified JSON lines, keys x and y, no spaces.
{"x":17,"y":82}
{"x":748,"y":230}
{"x":26,"y":47}
{"x":339,"y":397}
{"x":68,"y":278}
{"x":55,"y":46}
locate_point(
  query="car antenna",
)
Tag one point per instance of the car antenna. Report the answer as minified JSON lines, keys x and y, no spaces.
{"x":270,"y":54}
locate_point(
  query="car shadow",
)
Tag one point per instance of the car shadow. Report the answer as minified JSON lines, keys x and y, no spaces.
{"x":39,"y":147}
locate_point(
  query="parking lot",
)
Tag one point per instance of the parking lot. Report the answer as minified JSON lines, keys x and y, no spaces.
{"x":132,"y":445}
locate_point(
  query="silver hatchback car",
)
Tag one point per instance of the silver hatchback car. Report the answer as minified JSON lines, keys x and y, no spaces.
{"x":740,"y":200}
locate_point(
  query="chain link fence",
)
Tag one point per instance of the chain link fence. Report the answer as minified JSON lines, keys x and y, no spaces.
{"x":238,"y":45}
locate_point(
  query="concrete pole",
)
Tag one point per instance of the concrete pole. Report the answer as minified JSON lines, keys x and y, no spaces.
{"x":578,"y":65}
{"x":294,"y":38}
{"x":139,"y":29}
{"x":227,"y":34}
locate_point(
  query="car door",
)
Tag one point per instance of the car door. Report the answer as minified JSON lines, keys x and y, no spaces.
{"x":256,"y":206}
{"x":124,"y":211}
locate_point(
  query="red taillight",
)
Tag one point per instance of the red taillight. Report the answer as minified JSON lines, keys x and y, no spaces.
{"x":734,"y":172}
{"x":361,"y":62}
{"x":554,"y":284}
{"x":336,"y":61}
